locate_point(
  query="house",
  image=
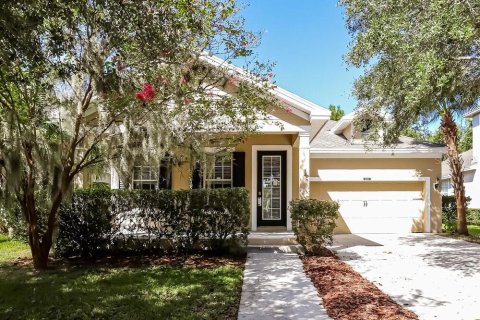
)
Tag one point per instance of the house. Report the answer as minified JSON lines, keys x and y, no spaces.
{"x":299,"y":152}
{"x":470,"y":158}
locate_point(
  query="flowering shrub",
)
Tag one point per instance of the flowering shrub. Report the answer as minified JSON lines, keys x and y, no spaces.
{"x":147,"y":94}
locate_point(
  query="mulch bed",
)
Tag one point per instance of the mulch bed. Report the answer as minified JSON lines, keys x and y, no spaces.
{"x":347,"y":295}
{"x":134,"y":261}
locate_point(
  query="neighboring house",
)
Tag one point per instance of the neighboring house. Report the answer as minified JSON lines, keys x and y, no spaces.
{"x":470,"y":158}
{"x":380,"y":190}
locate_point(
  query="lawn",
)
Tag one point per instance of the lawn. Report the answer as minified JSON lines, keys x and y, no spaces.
{"x":100,"y":292}
{"x":473,"y":234}
{"x":11,"y":250}
{"x":474,"y":231}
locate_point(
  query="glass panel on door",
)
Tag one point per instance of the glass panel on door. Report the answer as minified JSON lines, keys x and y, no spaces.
{"x":271,"y":187}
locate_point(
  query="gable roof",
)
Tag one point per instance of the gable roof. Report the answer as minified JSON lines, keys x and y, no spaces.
{"x":468,"y":164}
{"x":301,"y":107}
{"x":327,"y":139}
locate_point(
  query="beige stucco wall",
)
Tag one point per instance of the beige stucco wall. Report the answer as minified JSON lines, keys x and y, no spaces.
{"x":423,"y":167}
{"x":181,"y":175}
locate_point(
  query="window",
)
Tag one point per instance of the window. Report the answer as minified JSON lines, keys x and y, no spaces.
{"x":145,"y":177}
{"x":153,"y":177}
{"x":446,"y":186}
{"x":220,"y":175}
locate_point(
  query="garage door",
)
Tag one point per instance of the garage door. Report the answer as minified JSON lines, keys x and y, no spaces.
{"x":379,"y":207}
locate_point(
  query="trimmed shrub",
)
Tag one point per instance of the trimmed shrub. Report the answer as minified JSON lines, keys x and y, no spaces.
{"x":99,"y":221}
{"x":85,"y":223}
{"x":449,"y":213}
{"x":473,"y":217}
{"x":313,"y":222}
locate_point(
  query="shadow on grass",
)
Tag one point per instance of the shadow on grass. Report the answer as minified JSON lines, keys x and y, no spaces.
{"x":136,"y":293}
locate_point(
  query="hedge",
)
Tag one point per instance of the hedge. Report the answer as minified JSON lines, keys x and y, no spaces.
{"x":473,"y":217}
{"x":313,"y":222}
{"x":99,"y":221}
{"x":449,"y":214}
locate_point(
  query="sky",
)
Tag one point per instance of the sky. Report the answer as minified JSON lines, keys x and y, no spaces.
{"x":307,"y":40}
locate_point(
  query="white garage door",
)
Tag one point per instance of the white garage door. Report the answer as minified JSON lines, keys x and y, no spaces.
{"x":380,"y":211}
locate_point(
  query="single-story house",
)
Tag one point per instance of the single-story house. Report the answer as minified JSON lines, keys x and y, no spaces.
{"x":300,"y":152}
{"x":470,"y":158}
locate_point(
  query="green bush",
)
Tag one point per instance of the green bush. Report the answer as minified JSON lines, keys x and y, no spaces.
{"x":449,"y":213}
{"x":99,"y":221}
{"x":473,"y":217}
{"x":13,"y":222}
{"x":313,"y":222}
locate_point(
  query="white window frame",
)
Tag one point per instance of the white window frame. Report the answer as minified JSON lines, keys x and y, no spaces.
{"x":208,"y":181}
{"x":446,"y":191}
{"x":141,"y":180}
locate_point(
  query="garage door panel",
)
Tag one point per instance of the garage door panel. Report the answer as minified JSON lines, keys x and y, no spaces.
{"x":378,"y":208}
{"x":380,"y":225}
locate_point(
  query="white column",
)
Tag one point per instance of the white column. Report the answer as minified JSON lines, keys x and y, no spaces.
{"x":114,"y":179}
{"x":304,"y":165}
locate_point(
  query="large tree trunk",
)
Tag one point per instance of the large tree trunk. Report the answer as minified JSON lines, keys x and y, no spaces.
{"x":450,"y":135}
{"x":40,"y":244}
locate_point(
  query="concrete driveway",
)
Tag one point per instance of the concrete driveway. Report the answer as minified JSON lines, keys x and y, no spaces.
{"x":435,"y":277}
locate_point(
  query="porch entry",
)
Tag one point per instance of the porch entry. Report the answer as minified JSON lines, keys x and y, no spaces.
{"x":272,"y":188}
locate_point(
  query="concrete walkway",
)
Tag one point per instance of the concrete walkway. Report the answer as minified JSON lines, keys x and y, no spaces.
{"x":275,"y":287}
{"x":435,"y":277}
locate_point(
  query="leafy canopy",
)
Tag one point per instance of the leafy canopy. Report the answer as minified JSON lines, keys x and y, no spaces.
{"x":87,"y":83}
{"x":419,"y":56}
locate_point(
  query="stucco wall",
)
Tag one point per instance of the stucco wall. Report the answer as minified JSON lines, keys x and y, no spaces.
{"x":423,"y":167}
{"x":181,"y":174}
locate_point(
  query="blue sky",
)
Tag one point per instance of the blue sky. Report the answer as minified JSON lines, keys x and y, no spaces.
{"x":307,"y":39}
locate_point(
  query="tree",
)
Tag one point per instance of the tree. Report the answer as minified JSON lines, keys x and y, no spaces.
{"x":85,"y":83}
{"x":417,"y":131}
{"x":422,"y":62}
{"x":466,"y":137}
{"x":336,"y":112}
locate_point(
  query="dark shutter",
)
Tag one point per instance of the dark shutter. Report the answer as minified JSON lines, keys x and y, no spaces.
{"x":238,"y":175}
{"x":165,"y":174}
{"x":197,"y":182}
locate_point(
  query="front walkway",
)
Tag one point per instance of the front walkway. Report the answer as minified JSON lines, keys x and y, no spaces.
{"x":435,"y":277}
{"x":275,"y":287}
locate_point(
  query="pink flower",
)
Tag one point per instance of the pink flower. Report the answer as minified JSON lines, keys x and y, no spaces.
{"x":141,"y":96}
{"x":232,"y":82}
{"x":270,"y":75}
{"x":188,"y":100}
{"x":120,"y":66}
{"x":288,"y":110}
{"x":147,"y":94}
{"x":183,"y":81}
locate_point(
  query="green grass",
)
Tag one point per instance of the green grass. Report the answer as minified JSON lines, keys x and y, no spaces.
{"x":11,"y":250}
{"x":152,"y":292}
{"x":474,"y":231}
{"x":473,"y":235}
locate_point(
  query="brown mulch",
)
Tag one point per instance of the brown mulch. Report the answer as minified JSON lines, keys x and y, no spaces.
{"x":134,"y":261}
{"x":347,"y":295}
